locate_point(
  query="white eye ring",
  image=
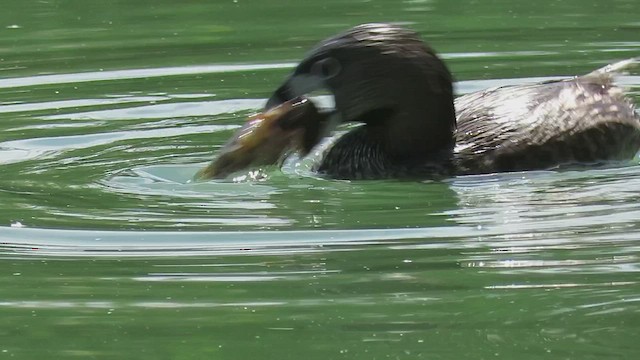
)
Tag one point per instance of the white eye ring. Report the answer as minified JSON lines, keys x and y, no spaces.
{"x":326,"y":68}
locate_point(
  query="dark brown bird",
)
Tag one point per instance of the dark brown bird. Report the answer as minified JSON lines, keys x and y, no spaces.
{"x":387,"y":78}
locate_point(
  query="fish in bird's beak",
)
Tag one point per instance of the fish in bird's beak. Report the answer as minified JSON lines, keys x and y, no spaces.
{"x":291,"y":125}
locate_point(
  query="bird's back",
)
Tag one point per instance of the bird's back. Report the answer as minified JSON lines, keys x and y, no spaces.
{"x":526,"y":127}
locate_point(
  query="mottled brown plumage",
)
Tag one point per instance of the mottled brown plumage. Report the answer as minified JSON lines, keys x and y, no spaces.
{"x":581,"y":120}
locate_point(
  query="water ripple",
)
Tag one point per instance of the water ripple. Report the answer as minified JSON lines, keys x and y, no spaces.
{"x":134,"y":74}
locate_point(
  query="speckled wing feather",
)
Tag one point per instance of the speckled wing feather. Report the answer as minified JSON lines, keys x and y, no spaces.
{"x":511,"y":128}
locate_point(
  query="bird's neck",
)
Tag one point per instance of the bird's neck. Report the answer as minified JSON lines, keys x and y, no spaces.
{"x":359,"y":154}
{"x":419,"y":129}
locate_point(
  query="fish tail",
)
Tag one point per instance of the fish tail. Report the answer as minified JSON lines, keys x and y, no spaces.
{"x":610,"y":75}
{"x":617,"y":68}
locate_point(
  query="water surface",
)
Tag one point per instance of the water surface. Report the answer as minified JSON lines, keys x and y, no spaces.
{"x":108,"y":250}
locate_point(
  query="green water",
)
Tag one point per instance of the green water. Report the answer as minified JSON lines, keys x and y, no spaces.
{"x":108,"y":251}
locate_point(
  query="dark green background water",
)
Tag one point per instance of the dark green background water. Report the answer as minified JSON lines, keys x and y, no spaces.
{"x":107,"y":250}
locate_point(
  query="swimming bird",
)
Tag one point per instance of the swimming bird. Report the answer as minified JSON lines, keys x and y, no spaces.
{"x":385,"y":77}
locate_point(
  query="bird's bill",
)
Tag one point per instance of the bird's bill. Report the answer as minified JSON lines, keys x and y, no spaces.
{"x":295,"y":86}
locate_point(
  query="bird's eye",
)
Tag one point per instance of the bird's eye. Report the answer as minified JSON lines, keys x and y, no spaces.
{"x":326,"y":68}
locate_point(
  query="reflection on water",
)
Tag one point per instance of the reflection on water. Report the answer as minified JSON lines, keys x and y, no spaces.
{"x":110,"y":250}
{"x":133,"y":74}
